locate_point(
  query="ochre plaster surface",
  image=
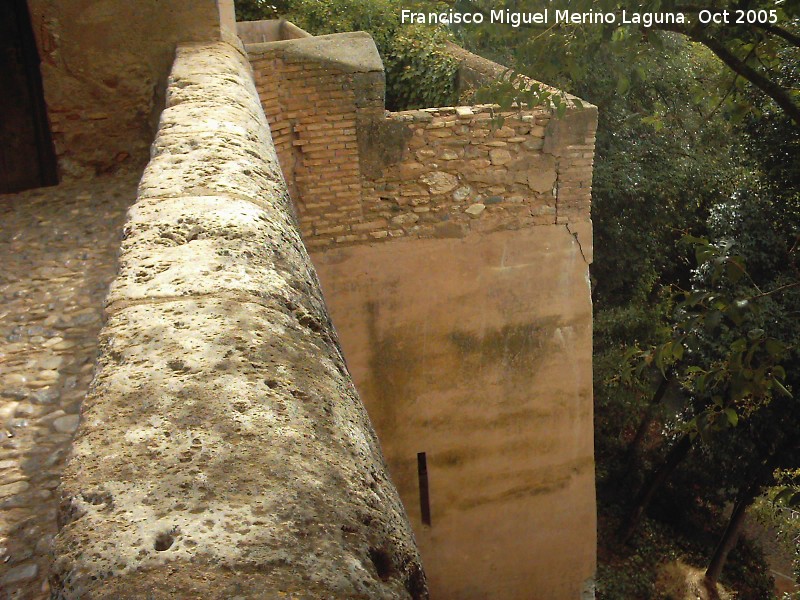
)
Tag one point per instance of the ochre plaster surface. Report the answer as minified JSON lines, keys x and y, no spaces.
{"x":477,"y":351}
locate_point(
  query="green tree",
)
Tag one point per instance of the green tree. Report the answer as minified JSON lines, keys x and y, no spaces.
{"x":751,"y":40}
{"x":257,"y":10}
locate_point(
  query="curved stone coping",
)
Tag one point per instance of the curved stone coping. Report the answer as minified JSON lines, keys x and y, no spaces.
{"x":476,"y":71}
{"x":223,"y":450}
{"x":352,"y":52}
{"x":269,"y":30}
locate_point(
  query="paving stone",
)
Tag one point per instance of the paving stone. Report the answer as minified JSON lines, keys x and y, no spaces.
{"x":56,"y":273}
{"x":475,"y":210}
{"x":21,"y":573}
{"x":45,"y":396}
{"x":24,"y":409}
{"x":66,"y":424}
{"x":11,"y":489}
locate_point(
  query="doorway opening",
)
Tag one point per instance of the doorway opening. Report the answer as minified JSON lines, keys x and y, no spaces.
{"x":27,"y":157}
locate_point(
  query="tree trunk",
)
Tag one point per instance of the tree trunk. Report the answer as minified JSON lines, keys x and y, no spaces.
{"x":645,"y":495}
{"x":731,"y":533}
{"x":635,"y":447}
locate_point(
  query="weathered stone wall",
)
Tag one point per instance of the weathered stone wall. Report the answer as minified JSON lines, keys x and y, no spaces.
{"x":475,"y":169}
{"x":104,"y":66}
{"x":223,"y":451}
{"x":455,"y":264}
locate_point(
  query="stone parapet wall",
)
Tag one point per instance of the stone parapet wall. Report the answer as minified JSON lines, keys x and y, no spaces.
{"x":223,"y":451}
{"x":473,"y":169}
{"x":462,"y":169}
{"x":475,"y":71}
{"x":359,"y":174}
{"x":477,"y":352}
{"x":272,"y":30}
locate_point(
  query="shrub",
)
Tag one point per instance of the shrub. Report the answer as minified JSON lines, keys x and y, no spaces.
{"x":419,"y":71}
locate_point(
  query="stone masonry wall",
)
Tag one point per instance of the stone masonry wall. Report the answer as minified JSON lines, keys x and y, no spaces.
{"x":359,"y":174}
{"x":314,"y":104}
{"x":453,"y":245}
{"x":223,"y":451}
{"x":104,"y":67}
{"x":473,"y":169}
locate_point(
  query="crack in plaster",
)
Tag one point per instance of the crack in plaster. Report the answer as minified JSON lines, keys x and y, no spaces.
{"x":575,"y":235}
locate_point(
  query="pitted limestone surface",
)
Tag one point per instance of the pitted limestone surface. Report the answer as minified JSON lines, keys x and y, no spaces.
{"x":210,"y":163}
{"x":229,"y":151}
{"x":243,"y":248}
{"x":225,"y":444}
{"x":223,"y":450}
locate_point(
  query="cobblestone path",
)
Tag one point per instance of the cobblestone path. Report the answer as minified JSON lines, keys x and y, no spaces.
{"x":57,"y":257}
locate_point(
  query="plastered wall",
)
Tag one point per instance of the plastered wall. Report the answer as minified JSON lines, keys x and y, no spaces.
{"x":477,"y":352}
{"x":104,"y":66}
{"x":453,"y":246}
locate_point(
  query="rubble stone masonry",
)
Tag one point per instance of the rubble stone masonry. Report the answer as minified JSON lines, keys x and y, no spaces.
{"x":360,"y":174}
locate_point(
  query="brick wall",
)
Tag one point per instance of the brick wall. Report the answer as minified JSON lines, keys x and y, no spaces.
{"x":360,"y":174}
{"x":312,"y":116}
{"x":313,"y":108}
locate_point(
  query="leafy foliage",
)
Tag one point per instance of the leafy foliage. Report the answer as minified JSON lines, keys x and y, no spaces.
{"x":628,"y":573}
{"x":751,"y":44}
{"x":419,"y":71}
{"x":775,"y":511}
{"x":726,"y":363}
{"x":256,"y":10}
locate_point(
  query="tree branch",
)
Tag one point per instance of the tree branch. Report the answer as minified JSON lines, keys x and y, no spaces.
{"x":776,"y":290}
{"x":733,"y":85}
{"x":780,"y":32}
{"x":766,"y":85}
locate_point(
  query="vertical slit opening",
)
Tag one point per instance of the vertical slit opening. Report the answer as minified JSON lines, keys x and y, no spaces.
{"x":424,"y":494}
